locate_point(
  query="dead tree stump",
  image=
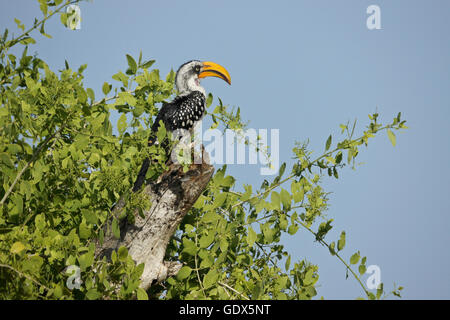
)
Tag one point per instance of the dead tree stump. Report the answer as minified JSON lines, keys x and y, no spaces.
{"x":172,"y":196}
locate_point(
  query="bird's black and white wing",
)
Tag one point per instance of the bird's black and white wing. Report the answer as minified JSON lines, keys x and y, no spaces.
{"x":182,"y":112}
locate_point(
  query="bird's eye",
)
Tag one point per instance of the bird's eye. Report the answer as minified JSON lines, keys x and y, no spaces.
{"x":197,"y":69}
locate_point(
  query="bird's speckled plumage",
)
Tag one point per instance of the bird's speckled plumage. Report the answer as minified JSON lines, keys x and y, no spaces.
{"x":182,"y":113}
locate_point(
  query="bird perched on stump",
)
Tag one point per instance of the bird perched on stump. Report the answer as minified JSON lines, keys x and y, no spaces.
{"x":186,"y":109}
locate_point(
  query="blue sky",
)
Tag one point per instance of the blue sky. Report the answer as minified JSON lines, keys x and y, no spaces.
{"x":305,"y":67}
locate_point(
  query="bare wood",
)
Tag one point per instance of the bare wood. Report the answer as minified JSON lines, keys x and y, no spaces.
{"x":172,"y":196}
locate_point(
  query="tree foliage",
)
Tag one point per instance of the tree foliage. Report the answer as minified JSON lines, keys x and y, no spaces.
{"x":63,"y":168}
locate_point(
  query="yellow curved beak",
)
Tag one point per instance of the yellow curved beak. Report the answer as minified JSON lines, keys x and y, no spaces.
{"x":212,"y":69}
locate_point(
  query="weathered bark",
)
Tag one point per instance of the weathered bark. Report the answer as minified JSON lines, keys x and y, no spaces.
{"x":172,"y":196}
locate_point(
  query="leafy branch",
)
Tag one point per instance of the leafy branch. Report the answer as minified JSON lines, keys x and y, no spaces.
{"x":27,"y":165}
{"x":6,"y":266}
{"x":37,"y":24}
{"x":320,"y":239}
{"x":345,"y":145}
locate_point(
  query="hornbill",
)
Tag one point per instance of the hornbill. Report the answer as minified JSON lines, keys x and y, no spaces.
{"x":186,"y":109}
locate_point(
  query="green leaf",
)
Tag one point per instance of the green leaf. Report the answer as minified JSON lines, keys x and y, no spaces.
{"x":63,"y":17}
{"x":184,"y":272}
{"x":338,"y":158}
{"x":132,"y":64}
{"x":247,"y":194}
{"x":219,"y":199}
{"x":4,"y":158}
{"x":297,"y":191}
{"x":257,"y":290}
{"x":27,"y":40}
{"x":147,"y":64}
{"x":207,"y":259}
{"x":58,"y":292}
{"x":210,"y":279}
{"x":223,"y":244}
{"x":125,"y":98}
{"x":189,"y":247}
{"x":84,"y":230}
{"x":268,"y":232}
{"x":39,"y":221}
{"x":251,"y":236}
{"x":93,"y":294}
{"x":228,"y":181}
{"x":90,"y":216}
{"x":309,"y":277}
{"x":335,"y":173}
{"x":140,"y":57}
{"x":33,"y":264}
{"x":331,"y":160}
{"x":391,"y":136}
{"x":276,"y":200}
{"x":328,"y":143}
{"x":20,"y":25}
{"x":120,"y":76}
{"x":341,"y":241}
{"x":138,"y":110}
{"x":210,"y":216}
{"x":44,"y":7}
{"x":293,"y":228}
{"x":115,"y":229}
{"x":17,"y":247}
{"x":170,"y":78}
{"x":141,"y":294}
{"x":206,"y":240}
{"x":282,"y":169}
{"x":379,"y":291}
{"x":362,"y":269}
{"x":86,"y":260}
{"x":91,"y":94}
{"x":288,"y":263}
{"x":285,"y":199}
{"x":354,"y":258}
{"x":122,"y":123}
{"x":122,"y":253}
{"x":209,"y":100}
{"x":324,"y":228}
{"x":114,"y":257}
{"x":161,"y":134}
{"x":106,"y":88}
{"x":331,"y":248}
{"x":283,"y":222}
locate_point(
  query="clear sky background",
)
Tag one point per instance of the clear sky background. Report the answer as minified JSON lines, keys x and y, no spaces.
{"x":305,"y":67}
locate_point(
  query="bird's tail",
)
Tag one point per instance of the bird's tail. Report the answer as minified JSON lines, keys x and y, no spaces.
{"x":141,"y":175}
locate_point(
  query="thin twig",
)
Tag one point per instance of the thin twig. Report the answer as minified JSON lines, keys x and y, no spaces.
{"x":12,"y":42}
{"x":196,"y":267}
{"x":310,"y":163}
{"x":110,"y":98}
{"x":234,"y":290}
{"x":24,"y":275}
{"x":321,"y":241}
{"x":226,"y":291}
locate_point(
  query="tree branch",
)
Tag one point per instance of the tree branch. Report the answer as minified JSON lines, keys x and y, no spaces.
{"x":172,"y":196}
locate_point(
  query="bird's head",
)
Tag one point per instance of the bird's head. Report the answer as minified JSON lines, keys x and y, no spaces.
{"x":189,"y":74}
